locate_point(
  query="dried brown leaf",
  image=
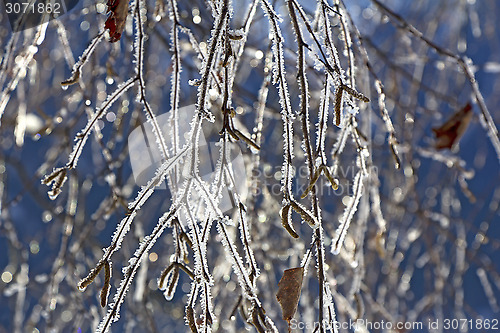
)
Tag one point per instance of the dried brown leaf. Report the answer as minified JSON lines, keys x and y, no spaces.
{"x":117,"y":10}
{"x":289,"y":289}
{"x":450,"y":132}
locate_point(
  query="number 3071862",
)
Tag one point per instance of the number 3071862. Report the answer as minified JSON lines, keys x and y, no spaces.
{"x":478,"y":324}
{"x":33,"y":8}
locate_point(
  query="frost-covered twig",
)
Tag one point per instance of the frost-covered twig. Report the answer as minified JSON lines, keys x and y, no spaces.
{"x":463,"y":62}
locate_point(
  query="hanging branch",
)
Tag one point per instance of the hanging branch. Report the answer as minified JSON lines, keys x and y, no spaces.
{"x":304,"y":115}
{"x":463,"y":62}
{"x":76,"y":72}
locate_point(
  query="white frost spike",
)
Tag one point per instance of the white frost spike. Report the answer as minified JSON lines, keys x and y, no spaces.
{"x":214,"y":43}
{"x":245,"y":239}
{"x":346,"y":219}
{"x":279,"y":78}
{"x":129,"y":272}
{"x":330,"y":308}
{"x":58,"y":176}
{"x":83,"y":135}
{"x":77,"y":67}
{"x":219,"y":170}
{"x":140,"y":17}
{"x":207,"y":307}
{"x":305,"y":214}
{"x":211,"y":203}
{"x":323,"y":120}
{"x":486,"y":120}
{"x":339,"y":146}
{"x":270,"y":327}
{"x":175,"y":77}
{"x":237,"y":262}
{"x":199,"y":248}
{"x":330,"y":46}
{"x":142,"y":196}
{"x":157,"y":180}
